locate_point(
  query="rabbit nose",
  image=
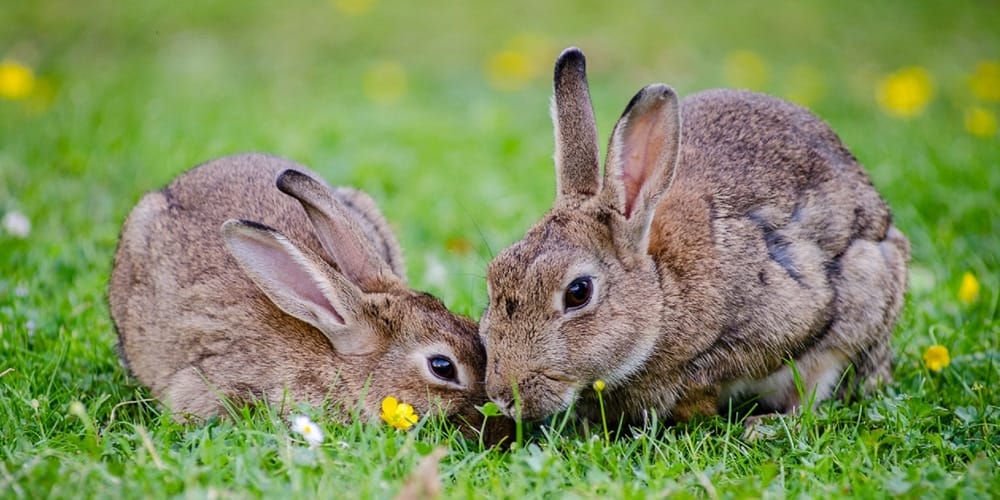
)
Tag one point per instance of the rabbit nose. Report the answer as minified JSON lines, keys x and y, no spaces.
{"x":500,"y":393}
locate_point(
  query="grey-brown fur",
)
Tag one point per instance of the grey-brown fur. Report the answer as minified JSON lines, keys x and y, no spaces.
{"x":767,"y":243}
{"x":196,"y":328}
{"x":576,"y":139}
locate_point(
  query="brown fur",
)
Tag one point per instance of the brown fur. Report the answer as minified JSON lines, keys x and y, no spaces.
{"x":196,"y":329}
{"x":729,"y":238}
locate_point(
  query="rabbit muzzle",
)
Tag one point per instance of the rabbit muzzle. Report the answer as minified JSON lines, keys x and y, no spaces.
{"x":492,"y":431}
{"x":532,"y":395}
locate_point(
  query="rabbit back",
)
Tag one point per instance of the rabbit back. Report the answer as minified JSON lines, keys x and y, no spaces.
{"x":785,"y":249}
{"x":176,"y":293}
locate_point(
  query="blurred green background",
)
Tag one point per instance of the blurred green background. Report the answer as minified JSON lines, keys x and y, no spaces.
{"x":440,"y":111}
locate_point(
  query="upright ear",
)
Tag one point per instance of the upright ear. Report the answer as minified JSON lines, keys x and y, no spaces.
{"x":642,"y":158}
{"x":577,"y":166}
{"x":300,"y":284}
{"x":337,"y":231}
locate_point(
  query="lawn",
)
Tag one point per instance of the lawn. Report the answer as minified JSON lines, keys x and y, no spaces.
{"x":440,"y":111}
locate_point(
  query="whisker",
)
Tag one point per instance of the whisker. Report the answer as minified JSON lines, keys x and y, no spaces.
{"x":482,"y":236}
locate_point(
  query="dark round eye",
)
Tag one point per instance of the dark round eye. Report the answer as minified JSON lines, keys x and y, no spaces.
{"x":578,"y":293}
{"x":442,"y":367}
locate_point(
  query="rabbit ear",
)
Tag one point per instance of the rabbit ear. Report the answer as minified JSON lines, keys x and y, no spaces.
{"x":642,"y":158}
{"x":340,"y":236}
{"x":299,"y":283}
{"x":577,"y":164}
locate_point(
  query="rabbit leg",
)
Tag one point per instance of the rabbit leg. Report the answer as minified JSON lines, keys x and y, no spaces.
{"x":808,"y":380}
{"x":870,"y":280}
{"x":696,"y":401}
{"x":812,"y":377}
{"x":190,"y":394}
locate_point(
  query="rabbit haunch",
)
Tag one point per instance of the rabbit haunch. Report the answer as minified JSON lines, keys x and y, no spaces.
{"x":304,"y":300}
{"x":731,"y":237}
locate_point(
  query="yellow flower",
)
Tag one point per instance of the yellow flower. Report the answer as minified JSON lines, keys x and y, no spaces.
{"x":968,"y":291}
{"x":385,"y":82}
{"x":599,"y":385}
{"x":985,"y":82}
{"x":398,"y":415}
{"x":980,"y":122}
{"x":508,"y":70}
{"x":522,"y":59}
{"x":353,"y":7}
{"x":16,"y":80}
{"x":906,"y":92}
{"x":936,"y":358}
{"x":745,"y":69}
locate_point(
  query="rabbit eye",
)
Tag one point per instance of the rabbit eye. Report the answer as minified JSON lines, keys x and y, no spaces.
{"x":578,"y":293}
{"x":442,"y":367}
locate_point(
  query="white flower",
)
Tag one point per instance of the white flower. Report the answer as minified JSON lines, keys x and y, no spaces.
{"x":308,"y":429}
{"x":16,"y":224}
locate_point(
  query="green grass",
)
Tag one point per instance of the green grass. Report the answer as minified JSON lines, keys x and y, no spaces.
{"x":133,"y":93}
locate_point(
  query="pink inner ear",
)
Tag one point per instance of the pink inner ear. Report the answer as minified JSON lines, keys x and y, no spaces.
{"x":642,"y":146}
{"x":296,"y":280}
{"x":277,"y":271}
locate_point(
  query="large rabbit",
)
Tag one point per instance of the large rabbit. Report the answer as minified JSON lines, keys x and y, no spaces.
{"x":732,"y":240}
{"x":209,"y":309}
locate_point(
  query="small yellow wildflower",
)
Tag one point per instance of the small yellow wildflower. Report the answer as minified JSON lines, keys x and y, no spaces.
{"x":522,"y":59}
{"x":398,"y":415}
{"x":968,"y":291}
{"x":509,"y":70}
{"x":980,"y":122}
{"x":906,"y":92}
{"x":745,"y":69}
{"x":16,"y":80}
{"x":385,"y":82}
{"x":599,"y":385}
{"x":353,"y":7}
{"x":936,"y":358}
{"x":985,"y":82}
{"x":308,"y":429}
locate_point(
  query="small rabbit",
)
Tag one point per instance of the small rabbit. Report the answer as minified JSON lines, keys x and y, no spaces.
{"x":730,"y":234}
{"x":209,"y":308}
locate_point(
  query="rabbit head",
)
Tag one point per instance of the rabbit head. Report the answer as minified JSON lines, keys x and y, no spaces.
{"x":579,"y":299}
